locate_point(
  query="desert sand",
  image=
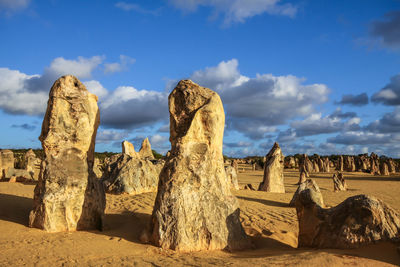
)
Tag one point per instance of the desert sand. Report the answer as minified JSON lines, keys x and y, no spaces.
{"x":266,"y":217}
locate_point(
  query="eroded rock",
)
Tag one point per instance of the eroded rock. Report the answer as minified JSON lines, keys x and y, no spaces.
{"x":131,"y":175}
{"x":315,"y":193}
{"x":129,"y":149}
{"x":6,"y":161}
{"x":231,"y":176}
{"x":357,"y":221}
{"x":194,"y":208}
{"x":339,"y":183}
{"x":69,"y":197}
{"x":273,"y":171}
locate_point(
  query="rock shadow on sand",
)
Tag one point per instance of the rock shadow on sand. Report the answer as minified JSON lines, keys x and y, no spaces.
{"x":127,"y":225}
{"x":266,"y":202}
{"x":15,"y":208}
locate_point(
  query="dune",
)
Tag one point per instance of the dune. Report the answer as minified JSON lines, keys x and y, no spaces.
{"x":266,"y":217}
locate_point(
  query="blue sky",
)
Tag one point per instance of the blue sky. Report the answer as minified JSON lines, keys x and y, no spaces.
{"x":316,"y":76}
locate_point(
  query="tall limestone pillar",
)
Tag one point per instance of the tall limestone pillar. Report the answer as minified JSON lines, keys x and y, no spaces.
{"x":68,"y":196}
{"x":194,"y":208}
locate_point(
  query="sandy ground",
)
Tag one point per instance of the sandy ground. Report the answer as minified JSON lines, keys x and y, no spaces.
{"x":266,"y":218}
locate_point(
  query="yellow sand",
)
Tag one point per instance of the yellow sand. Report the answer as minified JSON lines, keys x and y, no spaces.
{"x":265,"y":216}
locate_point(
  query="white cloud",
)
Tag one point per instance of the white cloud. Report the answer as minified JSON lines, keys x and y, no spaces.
{"x":95,"y":87}
{"x":125,"y":61}
{"x":27,"y":94}
{"x":390,"y":94}
{"x":316,"y":124}
{"x":11,"y":6}
{"x":254,"y":106}
{"x":238,"y":10}
{"x":135,"y":7}
{"x":81,"y":68}
{"x":107,"y":136}
{"x":127,"y":107}
{"x":15,"y":98}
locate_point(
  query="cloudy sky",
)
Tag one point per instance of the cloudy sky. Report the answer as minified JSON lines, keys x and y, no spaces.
{"x":316,"y":76}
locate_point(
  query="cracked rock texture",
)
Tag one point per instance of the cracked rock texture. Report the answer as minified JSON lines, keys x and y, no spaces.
{"x":273,"y":171}
{"x":194,"y":207}
{"x":357,"y":221}
{"x":68,"y":196}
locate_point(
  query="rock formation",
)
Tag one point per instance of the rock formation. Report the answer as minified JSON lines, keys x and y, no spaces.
{"x":69,"y":197}
{"x":98,"y":168}
{"x":194,"y":207}
{"x":129,"y":149}
{"x":327,"y":165}
{"x":359,"y":220}
{"x":374,"y":163}
{"x":145,"y":151}
{"x":315,"y":193}
{"x":131,"y":175}
{"x":339,"y":183}
{"x":235,"y":165}
{"x":315,"y":166}
{"x":6,"y":161}
{"x":384,"y":169}
{"x":273,"y":171}
{"x":306,"y":163}
{"x":32,"y":163}
{"x":340,"y":164}
{"x":231,"y":176}
{"x":303,"y":177}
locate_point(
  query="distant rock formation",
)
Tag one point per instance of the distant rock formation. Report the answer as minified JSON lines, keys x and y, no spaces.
{"x":6,"y":162}
{"x":131,"y":175}
{"x":145,"y":151}
{"x":315,"y":193}
{"x":340,"y":164}
{"x":129,"y":149}
{"x":339,"y":183}
{"x":273,"y":171}
{"x":384,"y":169}
{"x":231,"y":176}
{"x":32,"y":163}
{"x":194,"y":208}
{"x":357,"y":221}
{"x":303,"y":177}
{"x":374,"y":163}
{"x":69,"y":197}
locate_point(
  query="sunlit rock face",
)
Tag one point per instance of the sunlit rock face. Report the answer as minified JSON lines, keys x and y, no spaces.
{"x":68,"y":196}
{"x":357,"y":221}
{"x":273,"y":171}
{"x":194,"y":208}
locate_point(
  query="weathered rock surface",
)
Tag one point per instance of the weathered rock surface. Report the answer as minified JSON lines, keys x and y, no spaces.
{"x":273,"y":171}
{"x":231,"y":176}
{"x":194,"y":208}
{"x":384,"y":169}
{"x":359,"y":220}
{"x":32,"y":163}
{"x":69,"y":197}
{"x":339,"y":183}
{"x":131,"y":175}
{"x":21,"y":175}
{"x":6,"y":161}
{"x":129,"y":149}
{"x":303,"y":177}
{"x":374,"y":164}
{"x":315,"y":193}
{"x":98,"y":168}
{"x":145,"y":151}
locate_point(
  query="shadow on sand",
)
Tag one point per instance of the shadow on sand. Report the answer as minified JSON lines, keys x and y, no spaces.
{"x":15,"y":208}
{"x":127,"y":225}
{"x":269,"y":247}
{"x":266,"y":202}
